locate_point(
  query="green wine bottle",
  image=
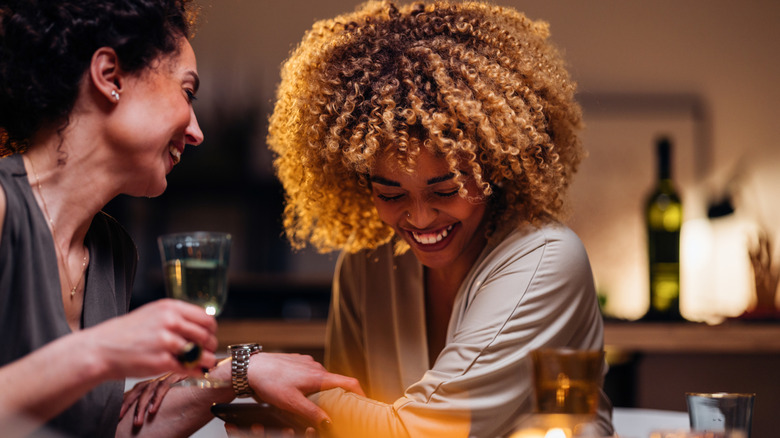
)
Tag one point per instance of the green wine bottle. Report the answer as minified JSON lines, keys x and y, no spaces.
{"x":663,"y":217}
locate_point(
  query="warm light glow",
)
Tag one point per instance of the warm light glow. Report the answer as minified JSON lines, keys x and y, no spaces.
{"x":536,"y":432}
{"x":716,"y":276}
{"x":563,"y":390}
{"x":177,"y":273}
{"x":554,"y":426}
{"x":556,"y":433}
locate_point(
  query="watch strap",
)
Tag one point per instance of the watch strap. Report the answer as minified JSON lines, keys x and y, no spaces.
{"x":240,"y":354}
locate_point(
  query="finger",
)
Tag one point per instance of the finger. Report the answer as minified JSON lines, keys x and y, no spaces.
{"x":195,"y":314}
{"x":208,"y":360}
{"x":129,"y":398}
{"x":187,"y":321}
{"x":232,"y":430}
{"x":138,"y":419}
{"x":159,"y":394}
{"x":298,"y":404}
{"x":256,"y":430}
{"x":145,"y":400}
{"x":195,"y":334}
{"x":206,"y":363}
{"x":193,"y":359}
{"x":123,"y":410}
{"x":338,"y":381}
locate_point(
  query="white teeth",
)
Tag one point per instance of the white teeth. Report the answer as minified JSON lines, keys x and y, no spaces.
{"x":431,"y":238}
{"x":175,"y":153}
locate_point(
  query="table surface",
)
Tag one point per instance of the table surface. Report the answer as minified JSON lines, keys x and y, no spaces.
{"x":728,"y":337}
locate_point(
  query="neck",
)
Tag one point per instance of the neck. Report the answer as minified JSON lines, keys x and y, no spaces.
{"x":62,"y":189}
{"x":445,"y":281}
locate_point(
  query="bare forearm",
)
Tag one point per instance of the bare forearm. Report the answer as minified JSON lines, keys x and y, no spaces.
{"x":44,"y":383}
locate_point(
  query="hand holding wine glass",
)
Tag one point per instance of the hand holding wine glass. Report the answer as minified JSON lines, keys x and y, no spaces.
{"x":195,"y":270}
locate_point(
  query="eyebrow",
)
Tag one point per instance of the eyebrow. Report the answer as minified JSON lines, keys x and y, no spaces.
{"x":387,"y":182}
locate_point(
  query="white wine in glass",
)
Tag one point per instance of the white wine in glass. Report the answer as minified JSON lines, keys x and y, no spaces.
{"x":195,"y":270}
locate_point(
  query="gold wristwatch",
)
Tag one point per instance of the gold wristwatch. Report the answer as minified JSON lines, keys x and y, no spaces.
{"x":240,"y":354}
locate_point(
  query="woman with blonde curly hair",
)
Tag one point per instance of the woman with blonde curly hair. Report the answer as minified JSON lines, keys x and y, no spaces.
{"x":432,"y":144}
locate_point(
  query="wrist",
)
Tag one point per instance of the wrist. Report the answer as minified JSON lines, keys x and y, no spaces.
{"x":95,"y":363}
{"x":240,"y":355}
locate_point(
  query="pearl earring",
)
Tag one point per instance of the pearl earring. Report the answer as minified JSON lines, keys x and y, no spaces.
{"x":115,"y":95}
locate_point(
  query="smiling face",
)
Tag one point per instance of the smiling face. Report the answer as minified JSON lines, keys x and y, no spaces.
{"x":156,"y":120}
{"x":424,"y":207}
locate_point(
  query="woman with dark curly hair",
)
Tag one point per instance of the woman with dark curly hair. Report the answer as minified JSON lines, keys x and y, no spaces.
{"x":432,"y":144}
{"x":96,"y":101}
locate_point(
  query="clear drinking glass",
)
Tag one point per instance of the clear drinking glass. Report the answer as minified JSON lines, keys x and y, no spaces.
{"x":566,"y":389}
{"x":731,"y":413}
{"x":195,"y":270}
{"x":567,"y":381}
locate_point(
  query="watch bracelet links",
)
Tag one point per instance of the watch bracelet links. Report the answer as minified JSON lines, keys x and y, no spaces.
{"x":239,"y":367}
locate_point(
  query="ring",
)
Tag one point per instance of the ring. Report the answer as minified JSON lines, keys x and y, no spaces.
{"x":189,"y":355}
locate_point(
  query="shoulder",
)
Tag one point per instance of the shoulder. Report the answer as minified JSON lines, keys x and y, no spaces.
{"x":537,"y":261}
{"x":106,"y":230}
{"x":552,"y":242}
{"x":546,"y":273}
{"x":11,"y":200}
{"x":105,"y":223}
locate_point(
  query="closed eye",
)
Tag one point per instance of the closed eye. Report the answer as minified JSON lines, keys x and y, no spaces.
{"x":389,"y":198}
{"x":190,"y":96}
{"x":447,"y":194}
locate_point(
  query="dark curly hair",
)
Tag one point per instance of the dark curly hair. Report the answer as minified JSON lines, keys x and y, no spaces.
{"x":481,"y":85}
{"x":46,"y":47}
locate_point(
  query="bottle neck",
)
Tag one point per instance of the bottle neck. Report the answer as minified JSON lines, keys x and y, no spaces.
{"x":664,"y":155}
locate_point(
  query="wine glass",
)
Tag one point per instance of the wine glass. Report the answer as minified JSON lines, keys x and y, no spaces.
{"x":195,"y":270}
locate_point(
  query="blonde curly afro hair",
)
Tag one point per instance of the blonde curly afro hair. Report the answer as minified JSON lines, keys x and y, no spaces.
{"x":480,"y":85}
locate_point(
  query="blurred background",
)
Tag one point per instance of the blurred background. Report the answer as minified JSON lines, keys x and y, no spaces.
{"x":703,"y":72}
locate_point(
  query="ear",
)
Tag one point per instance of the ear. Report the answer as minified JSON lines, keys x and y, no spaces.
{"x":106,"y":74}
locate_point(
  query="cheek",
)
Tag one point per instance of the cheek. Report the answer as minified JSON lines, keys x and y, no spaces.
{"x":466,"y":211}
{"x":387,"y":213}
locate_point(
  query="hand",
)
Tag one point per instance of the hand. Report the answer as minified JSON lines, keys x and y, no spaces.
{"x":147,"y":396}
{"x":146,"y":341}
{"x":258,"y":431}
{"x":284,"y":380}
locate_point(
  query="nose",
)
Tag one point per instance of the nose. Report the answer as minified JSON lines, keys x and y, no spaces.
{"x":421,"y":215}
{"x":193,"y":134}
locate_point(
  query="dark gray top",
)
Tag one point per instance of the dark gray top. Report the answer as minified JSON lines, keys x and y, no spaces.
{"x":31,"y":309}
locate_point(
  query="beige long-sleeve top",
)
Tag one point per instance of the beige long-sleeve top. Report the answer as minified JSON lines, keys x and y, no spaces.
{"x":532,"y":290}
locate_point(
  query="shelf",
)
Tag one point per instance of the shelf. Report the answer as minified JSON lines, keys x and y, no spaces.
{"x":729,"y":337}
{"x":273,"y":335}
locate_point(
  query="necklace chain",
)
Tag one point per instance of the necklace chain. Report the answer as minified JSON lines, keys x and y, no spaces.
{"x":56,"y":245}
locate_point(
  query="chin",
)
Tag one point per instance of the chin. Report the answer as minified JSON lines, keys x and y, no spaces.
{"x":158,"y":192}
{"x":152,"y":191}
{"x":431,"y":260}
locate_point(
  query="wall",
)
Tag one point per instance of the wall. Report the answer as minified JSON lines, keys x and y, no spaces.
{"x":720,"y":53}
